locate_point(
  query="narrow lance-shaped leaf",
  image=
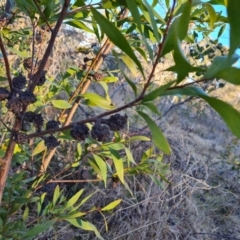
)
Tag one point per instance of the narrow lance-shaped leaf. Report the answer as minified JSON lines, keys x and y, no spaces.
{"x":132,"y":6}
{"x":103,"y":168}
{"x":229,"y":114}
{"x":152,"y":20}
{"x":111,"y":205}
{"x":85,"y":225}
{"x":118,"y":163}
{"x":230,"y":74}
{"x":233,"y":7}
{"x":39,"y":228}
{"x":116,"y":37}
{"x":157,"y":136}
{"x":212,"y":15}
{"x":220,"y":63}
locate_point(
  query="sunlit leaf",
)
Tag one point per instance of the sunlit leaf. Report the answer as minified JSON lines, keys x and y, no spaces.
{"x":118,"y":163}
{"x":212,"y":14}
{"x":85,"y":226}
{"x":39,"y":148}
{"x":62,"y":104}
{"x":111,"y":205}
{"x":98,"y":100}
{"x":103,"y":168}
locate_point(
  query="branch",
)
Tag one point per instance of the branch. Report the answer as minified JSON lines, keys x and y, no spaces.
{"x":160,"y":50}
{"x":50,"y":46}
{"x":7,"y":66}
{"x":42,"y":15}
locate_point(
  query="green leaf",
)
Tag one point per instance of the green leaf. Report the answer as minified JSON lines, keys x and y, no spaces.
{"x":230,"y":74}
{"x":62,"y":104}
{"x":139,"y":138}
{"x":157,"y":92}
{"x":111,"y":205}
{"x":129,"y":156}
{"x":230,"y":115}
{"x":39,"y":228}
{"x":221,"y":30}
{"x":26,"y":214}
{"x":116,"y":37}
{"x":109,"y":79}
{"x":98,"y":100}
{"x":85,"y":226}
{"x":212,"y":14}
{"x":103,"y":168}
{"x":220,"y":63}
{"x":78,"y":24}
{"x":178,"y":29}
{"x":73,"y":199}
{"x":233,"y":7}
{"x":22,"y":54}
{"x":152,"y":107}
{"x":49,"y":9}
{"x":152,"y":20}
{"x":157,"y":136}
{"x":129,"y":63}
{"x":132,"y":6}
{"x":56,"y":195}
{"x":118,"y":163}
{"x":130,"y":83}
{"x":39,"y":148}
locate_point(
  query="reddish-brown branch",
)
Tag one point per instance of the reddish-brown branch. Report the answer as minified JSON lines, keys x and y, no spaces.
{"x":7,"y":66}
{"x":50,"y":45}
{"x":42,"y":15}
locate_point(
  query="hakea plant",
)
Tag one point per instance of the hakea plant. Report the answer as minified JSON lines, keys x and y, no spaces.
{"x":19,"y":97}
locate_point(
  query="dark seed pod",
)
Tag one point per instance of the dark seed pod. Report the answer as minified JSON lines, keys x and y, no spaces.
{"x":26,"y":126}
{"x":51,"y":142}
{"x":79,"y":132}
{"x":14,"y":105}
{"x":100,"y":132}
{"x":97,"y":76}
{"x":4,"y":94}
{"x":38,"y":121}
{"x":42,"y":79}
{"x":27,"y":63}
{"x":27,"y":97}
{"x":21,"y":138}
{"x":52,"y":124}
{"x":116,"y":122}
{"x":19,"y":82}
{"x":29,"y":116}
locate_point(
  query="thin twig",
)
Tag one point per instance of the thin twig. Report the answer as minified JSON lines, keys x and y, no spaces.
{"x":7,"y":66}
{"x":50,"y":46}
{"x":33,"y":46}
{"x":42,"y":15}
